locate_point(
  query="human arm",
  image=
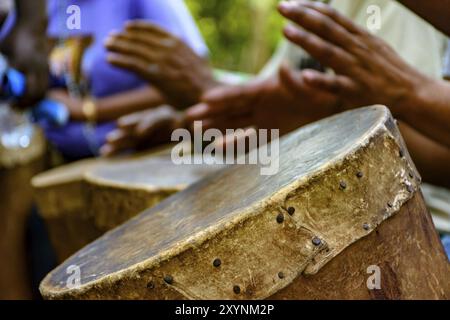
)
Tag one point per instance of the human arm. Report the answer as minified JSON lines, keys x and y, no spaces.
{"x":367,"y":70}
{"x":113,"y":106}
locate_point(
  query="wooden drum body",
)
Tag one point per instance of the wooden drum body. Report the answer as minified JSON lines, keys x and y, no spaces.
{"x":345,"y":201}
{"x":17,"y":166}
{"x":62,"y":198}
{"x":83,"y":200}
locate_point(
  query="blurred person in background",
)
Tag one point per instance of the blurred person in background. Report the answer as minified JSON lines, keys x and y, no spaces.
{"x":96,"y":92}
{"x":23,"y":48}
{"x":24,"y":44}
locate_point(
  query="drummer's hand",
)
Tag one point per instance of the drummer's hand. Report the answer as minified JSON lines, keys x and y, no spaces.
{"x":368,"y":71}
{"x":143,"y":129}
{"x":163,"y":60}
{"x":283,"y":102}
{"x":27,"y":50}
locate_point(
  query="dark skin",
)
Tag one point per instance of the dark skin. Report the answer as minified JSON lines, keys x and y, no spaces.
{"x":142,"y":130}
{"x":163,"y":60}
{"x":27,"y":48}
{"x":180,"y":79}
{"x":380,"y":77}
{"x":265,"y":104}
{"x":226,"y":107}
{"x":178,"y":73}
{"x":419,"y":102}
{"x":181,"y":76}
{"x":111,"y":107}
{"x":431,"y":158}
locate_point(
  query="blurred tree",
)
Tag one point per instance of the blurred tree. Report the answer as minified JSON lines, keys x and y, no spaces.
{"x":241,"y":34}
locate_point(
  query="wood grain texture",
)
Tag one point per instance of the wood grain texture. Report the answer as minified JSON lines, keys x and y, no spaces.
{"x":339,"y":180}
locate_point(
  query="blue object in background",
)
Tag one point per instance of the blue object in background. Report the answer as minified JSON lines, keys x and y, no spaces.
{"x":446,"y":242}
{"x":7,"y":26}
{"x":15,"y":84}
{"x":12,"y":82}
{"x":51,"y":112}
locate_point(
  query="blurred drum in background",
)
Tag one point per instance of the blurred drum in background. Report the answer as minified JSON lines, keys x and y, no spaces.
{"x":343,"y":218}
{"x":83,"y":200}
{"x":22,"y":154}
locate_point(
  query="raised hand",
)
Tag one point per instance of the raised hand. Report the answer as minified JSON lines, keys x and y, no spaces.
{"x":164,"y":60}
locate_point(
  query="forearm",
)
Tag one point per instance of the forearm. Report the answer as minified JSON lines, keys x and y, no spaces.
{"x":431,"y":158}
{"x":437,"y":12}
{"x":115,"y":106}
{"x":428,"y":110}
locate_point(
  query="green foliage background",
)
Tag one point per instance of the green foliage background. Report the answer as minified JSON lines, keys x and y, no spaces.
{"x":241,"y":34}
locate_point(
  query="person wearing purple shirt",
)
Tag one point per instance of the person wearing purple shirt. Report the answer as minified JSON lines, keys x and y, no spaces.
{"x":116,"y":91}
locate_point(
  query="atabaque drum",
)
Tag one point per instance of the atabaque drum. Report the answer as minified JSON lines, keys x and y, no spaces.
{"x":81,"y":201}
{"x":342,"y":218}
{"x":22,"y":155}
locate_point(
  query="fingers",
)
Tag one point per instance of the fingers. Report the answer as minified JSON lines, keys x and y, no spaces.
{"x":327,"y":35}
{"x":129,"y":121}
{"x":117,"y":141}
{"x":125,"y":46}
{"x":132,"y":63}
{"x":152,"y":123}
{"x":138,"y":128}
{"x":140,"y":48}
{"x":335,"y":84}
{"x":294,"y":82}
{"x":291,"y":79}
{"x":203,"y":111}
{"x":319,"y":23}
{"x":199,"y":111}
{"x":333,"y":14}
{"x":325,"y":52}
{"x":223,"y":101}
{"x":149,"y":41}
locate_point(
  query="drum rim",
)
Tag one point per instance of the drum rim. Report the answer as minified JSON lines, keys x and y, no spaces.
{"x":211,"y":231}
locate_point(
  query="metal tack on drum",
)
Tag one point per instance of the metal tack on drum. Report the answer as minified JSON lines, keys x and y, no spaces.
{"x":291,"y":210}
{"x":217,"y":263}
{"x":168,"y":279}
{"x":280,"y":218}
{"x":237,"y":289}
{"x":316,"y":241}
